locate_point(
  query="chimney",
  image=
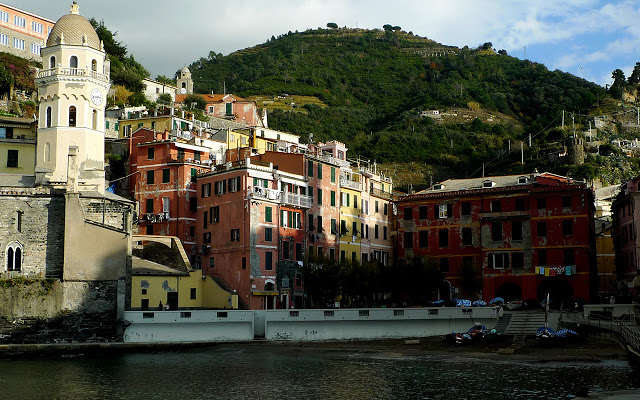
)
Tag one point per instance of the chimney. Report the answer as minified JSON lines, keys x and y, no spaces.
{"x":158,"y":136}
{"x":165,"y":135}
{"x":72,"y":170}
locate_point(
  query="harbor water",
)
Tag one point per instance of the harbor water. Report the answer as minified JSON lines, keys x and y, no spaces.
{"x":279,"y":371}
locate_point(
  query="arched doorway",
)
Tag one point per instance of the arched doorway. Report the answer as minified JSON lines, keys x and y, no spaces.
{"x":509,"y":291}
{"x":560,"y":291}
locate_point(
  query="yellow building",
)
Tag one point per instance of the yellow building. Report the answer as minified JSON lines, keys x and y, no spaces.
{"x":17,"y":149}
{"x":154,"y":284}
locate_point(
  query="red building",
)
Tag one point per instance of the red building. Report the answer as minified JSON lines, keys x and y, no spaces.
{"x":626,"y":220}
{"x":251,"y":223}
{"x":163,"y":178}
{"x":524,"y":235}
{"x":229,"y":106}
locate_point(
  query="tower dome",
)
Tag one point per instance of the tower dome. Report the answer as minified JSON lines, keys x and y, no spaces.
{"x":74,"y":29}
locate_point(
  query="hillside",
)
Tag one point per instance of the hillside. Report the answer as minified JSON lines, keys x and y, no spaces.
{"x":368,"y":87}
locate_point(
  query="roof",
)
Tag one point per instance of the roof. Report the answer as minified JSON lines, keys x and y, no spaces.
{"x":72,"y":29}
{"x":211,"y":98}
{"x":493,"y":182}
{"x":140,"y":266}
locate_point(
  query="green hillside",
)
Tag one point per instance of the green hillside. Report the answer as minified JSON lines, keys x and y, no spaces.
{"x":371,"y":85}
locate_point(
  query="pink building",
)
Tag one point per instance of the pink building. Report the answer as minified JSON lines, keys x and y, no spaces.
{"x":229,"y":106}
{"x":626,"y":220}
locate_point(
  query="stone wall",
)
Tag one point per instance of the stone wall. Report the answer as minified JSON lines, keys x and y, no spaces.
{"x":42,"y":311}
{"x":35,"y":220}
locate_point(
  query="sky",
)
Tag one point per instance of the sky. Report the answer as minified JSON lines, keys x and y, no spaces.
{"x":587,"y":38}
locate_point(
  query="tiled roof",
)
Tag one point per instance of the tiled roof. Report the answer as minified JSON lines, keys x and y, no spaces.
{"x":210,"y":98}
{"x":487,"y":182}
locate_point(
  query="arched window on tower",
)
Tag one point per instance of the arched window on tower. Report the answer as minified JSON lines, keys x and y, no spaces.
{"x":14,"y":257}
{"x":48,"y":119}
{"x":94,"y":65}
{"x":95,"y":119}
{"x":184,"y":85}
{"x":52,"y":62}
{"x":72,"y":116}
{"x":73,"y":62}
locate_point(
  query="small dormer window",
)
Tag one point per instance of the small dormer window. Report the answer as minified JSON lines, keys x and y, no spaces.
{"x":523,"y":180}
{"x":437,"y":187}
{"x":488,"y":184}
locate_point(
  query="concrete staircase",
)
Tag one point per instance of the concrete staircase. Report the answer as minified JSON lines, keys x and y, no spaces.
{"x":501,"y":326}
{"x":523,"y":323}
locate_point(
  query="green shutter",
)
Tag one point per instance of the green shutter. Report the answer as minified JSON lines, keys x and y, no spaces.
{"x":310,"y":168}
{"x":106,"y":124}
{"x":255,"y":182}
{"x":319,"y":170}
{"x":267,"y":214}
{"x":333,"y":198}
{"x":333,"y":175}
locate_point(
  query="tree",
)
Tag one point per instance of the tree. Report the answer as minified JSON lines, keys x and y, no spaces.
{"x":165,"y":80}
{"x":195,"y":101}
{"x":164,"y":98}
{"x":387,"y":27}
{"x":487,"y":46}
{"x":332,"y":25}
{"x":634,"y":79}
{"x":618,"y":84}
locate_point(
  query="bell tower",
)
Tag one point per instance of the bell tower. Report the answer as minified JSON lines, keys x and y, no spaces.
{"x":184,"y":81}
{"x":72,"y":90}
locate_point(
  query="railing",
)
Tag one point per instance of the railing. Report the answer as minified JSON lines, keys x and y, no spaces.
{"x":73,"y":72}
{"x":380,"y":193}
{"x":346,"y":183}
{"x":267,"y":194}
{"x":297,"y":200}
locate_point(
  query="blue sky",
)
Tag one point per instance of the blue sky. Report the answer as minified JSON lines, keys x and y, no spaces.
{"x":587,"y":38}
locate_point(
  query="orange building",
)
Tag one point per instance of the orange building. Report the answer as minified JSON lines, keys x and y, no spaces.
{"x":164,"y":171}
{"x":22,"y":33}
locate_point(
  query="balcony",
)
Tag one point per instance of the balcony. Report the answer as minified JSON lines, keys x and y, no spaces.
{"x":72,"y":72}
{"x":297,"y":200}
{"x":349,"y":184}
{"x":380,"y":193}
{"x":266,"y":194}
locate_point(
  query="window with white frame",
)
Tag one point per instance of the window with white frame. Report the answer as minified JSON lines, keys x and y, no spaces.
{"x":4,"y":16}
{"x":35,"y":48}
{"x":37,"y":27}
{"x":442,"y":211}
{"x":19,"y":21}
{"x":13,"y":260}
{"x":18,"y":43}
{"x":4,"y":39}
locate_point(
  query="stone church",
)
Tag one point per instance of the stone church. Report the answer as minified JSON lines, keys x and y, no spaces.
{"x":65,"y":242}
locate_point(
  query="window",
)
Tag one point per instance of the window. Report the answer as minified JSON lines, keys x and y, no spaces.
{"x":496,"y":206}
{"x":467,"y":236}
{"x":4,"y":16}
{"x":567,"y":227}
{"x":516,"y":230}
{"x":517,"y":260}
{"x":299,"y":254}
{"x":384,"y":208}
{"x":384,"y":232}
{"x":14,"y":257}
{"x":35,"y":48}
{"x":333,"y":174}
{"x":319,"y":196}
{"x":150,"y":229}
{"x":150,"y":177}
{"x":465,"y":208}
{"x":310,"y":169}
{"x":343,"y":255}
{"x":19,"y":221}
{"x":408,"y":213}
{"x":376,"y":208}
{"x":149,"y":207}
{"x":542,"y":229}
{"x":519,"y":204}
{"x":334,"y":227}
{"x":343,"y":227}
{"x":569,"y":257}
{"x":166,"y":175}
{"x":268,"y":216}
{"x":192,"y":293}
{"x":542,"y":203}
{"x":332,"y":253}
{"x":566,"y":201}
{"x":333,"y":198}
{"x":4,"y":39}
{"x":268,"y":261}
{"x":19,"y":21}
{"x":496,"y":231}
{"x":73,"y":62}
{"x":72,"y":116}
{"x":444,"y":210}
{"x":408,"y":240}
{"x":285,"y":250}
{"x":542,"y":257}
{"x":320,"y":228}
{"x":444,"y":264}
{"x":244,"y":262}
{"x":12,"y":158}
{"x":354,"y":228}
{"x":423,"y":211}
{"x":235,"y":235}
{"x":423,"y":239}
{"x":150,"y":153}
{"x":166,"y":205}
{"x":233,"y":184}
{"x":206,"y":237}
{"x":376,"y":234}
{"x":206,"y":189}
{"x":522,"y":180}
{"x":319,"y":170}
{"x":499,"y":260}
{"x":443,"y":237}
{"x":229,"y":108}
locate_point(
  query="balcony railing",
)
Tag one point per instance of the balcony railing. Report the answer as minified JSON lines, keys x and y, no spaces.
{"x":380,"y":193}
{"x":266,"y":194}
{"x":297,"y":200}
{"x":73,"y":72}
{"x":346,"y":183}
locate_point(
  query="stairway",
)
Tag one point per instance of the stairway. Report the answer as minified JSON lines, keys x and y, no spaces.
{"x":503,"y":323}
{"x":523,"y":323}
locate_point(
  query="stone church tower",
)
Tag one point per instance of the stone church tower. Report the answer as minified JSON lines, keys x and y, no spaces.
{"x":72,"y":89}
{"x":184,"y":81}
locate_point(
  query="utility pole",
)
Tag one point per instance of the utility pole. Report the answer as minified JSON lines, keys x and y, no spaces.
{"x":562,"y":119}
{"x":483,"y":170}
{"x":522,"y":153}
{"x":509,"y":146}
{"x":529,"y":140}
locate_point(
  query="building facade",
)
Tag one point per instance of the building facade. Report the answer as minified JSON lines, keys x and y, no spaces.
{"x":625,"y":212}
{"x":22,"y":33}
{"x":523,"y":236}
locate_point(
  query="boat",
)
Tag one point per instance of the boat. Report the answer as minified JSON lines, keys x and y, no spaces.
{"x":513,"y":305}
{"x":498,"y":301}
{"x":479,"y":303}
{"x":463,"y":303}
{"x":475,"y":333}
